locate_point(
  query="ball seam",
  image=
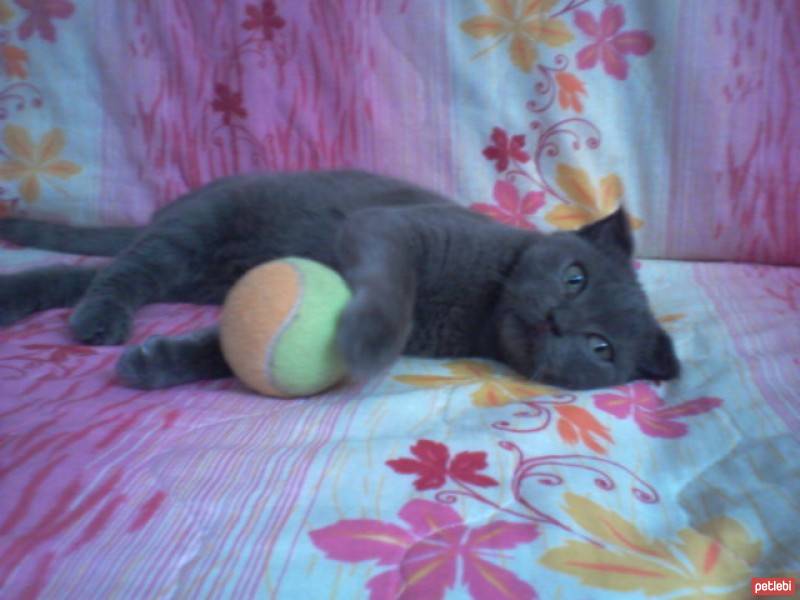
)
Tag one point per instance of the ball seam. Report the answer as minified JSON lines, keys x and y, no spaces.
{"x":287,"y":323}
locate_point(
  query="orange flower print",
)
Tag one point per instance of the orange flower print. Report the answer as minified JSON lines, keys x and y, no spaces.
{"x":14,"y":61}
{"x":669,"y":319}
{"x":31,"y":162}
{"x":589,"y":203}
{"x":525,"y":22}
{"x":578,"y":424}
{"x":569,"y":90}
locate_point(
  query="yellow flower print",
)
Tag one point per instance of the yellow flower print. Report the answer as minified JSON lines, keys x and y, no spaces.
{"x":589,"y":204}
{"x":30,"y":161}
{"x":713,"y":561}
{"x":494,"y":389}
{"x":525,"y":22}
{"x":668,"y":320}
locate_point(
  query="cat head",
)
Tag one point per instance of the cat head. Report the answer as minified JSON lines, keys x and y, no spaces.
{"x":572,"y":313}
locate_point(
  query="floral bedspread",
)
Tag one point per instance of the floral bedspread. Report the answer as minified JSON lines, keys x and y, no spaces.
{"x":439,"y":479}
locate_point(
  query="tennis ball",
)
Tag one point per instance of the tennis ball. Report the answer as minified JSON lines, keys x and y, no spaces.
{"x":278,"y":327}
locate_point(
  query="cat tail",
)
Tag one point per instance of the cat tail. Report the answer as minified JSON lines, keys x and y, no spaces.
{"x":91,"y":241}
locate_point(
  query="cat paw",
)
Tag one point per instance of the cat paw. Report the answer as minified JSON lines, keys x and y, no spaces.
{"x":370,"y":336}
{"x":144,"y":366}
{"x":100,"y":322}
{"x":164,"y":361}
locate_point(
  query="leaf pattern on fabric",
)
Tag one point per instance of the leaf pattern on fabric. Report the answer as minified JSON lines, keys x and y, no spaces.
{"x":589,"y":203}
{"x":526,"y":23}
{"x":495,"y":388}
{"x":631,"y":561}
{"x":425,"y":558}
{"x":433,"y":466}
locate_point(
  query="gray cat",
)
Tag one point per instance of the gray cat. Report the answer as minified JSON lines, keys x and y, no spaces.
{"x":429,"y":278}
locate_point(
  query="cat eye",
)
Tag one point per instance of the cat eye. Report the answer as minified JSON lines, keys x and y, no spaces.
{"x":601,"y":347}
{"x":574,"y":279}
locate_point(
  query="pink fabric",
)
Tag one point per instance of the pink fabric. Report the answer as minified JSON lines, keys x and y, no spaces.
{"x":735,"y":190}
{"x":315,"y":95}
{"x":83,"y":457}
{"x":762,"y":316}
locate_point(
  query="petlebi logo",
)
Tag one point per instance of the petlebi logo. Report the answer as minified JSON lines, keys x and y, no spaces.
{"x":773,"y":586}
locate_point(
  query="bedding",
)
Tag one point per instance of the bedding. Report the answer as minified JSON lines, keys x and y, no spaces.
{"x":440,"y":478}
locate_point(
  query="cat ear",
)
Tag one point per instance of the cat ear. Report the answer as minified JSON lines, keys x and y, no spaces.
{"x":613,"y":233}
{"x":660,"y":363}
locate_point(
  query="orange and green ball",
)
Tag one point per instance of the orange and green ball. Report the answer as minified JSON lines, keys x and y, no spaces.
{"x":278,"y":327}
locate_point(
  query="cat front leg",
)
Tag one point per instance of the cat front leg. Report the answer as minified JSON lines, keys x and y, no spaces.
{"x":27,"y":292}
{"x":375,"y":256}
{"x":143,"y":273}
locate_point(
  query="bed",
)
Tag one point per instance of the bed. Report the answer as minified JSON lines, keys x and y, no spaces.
{"x":439,"y":478}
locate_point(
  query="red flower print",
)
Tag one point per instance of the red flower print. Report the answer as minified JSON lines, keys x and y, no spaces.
{"x":610,"y":45}
{"x":40,"y":12}
{"x":502,"y":149}
{"x":510,"y":208}
{"x":228,"y":103}
{"x":265,"y":18}
{"x":433,"y":466}
{"x":650,"y":412}
{"x":465,"y":467}
{"x":425,"y":556}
